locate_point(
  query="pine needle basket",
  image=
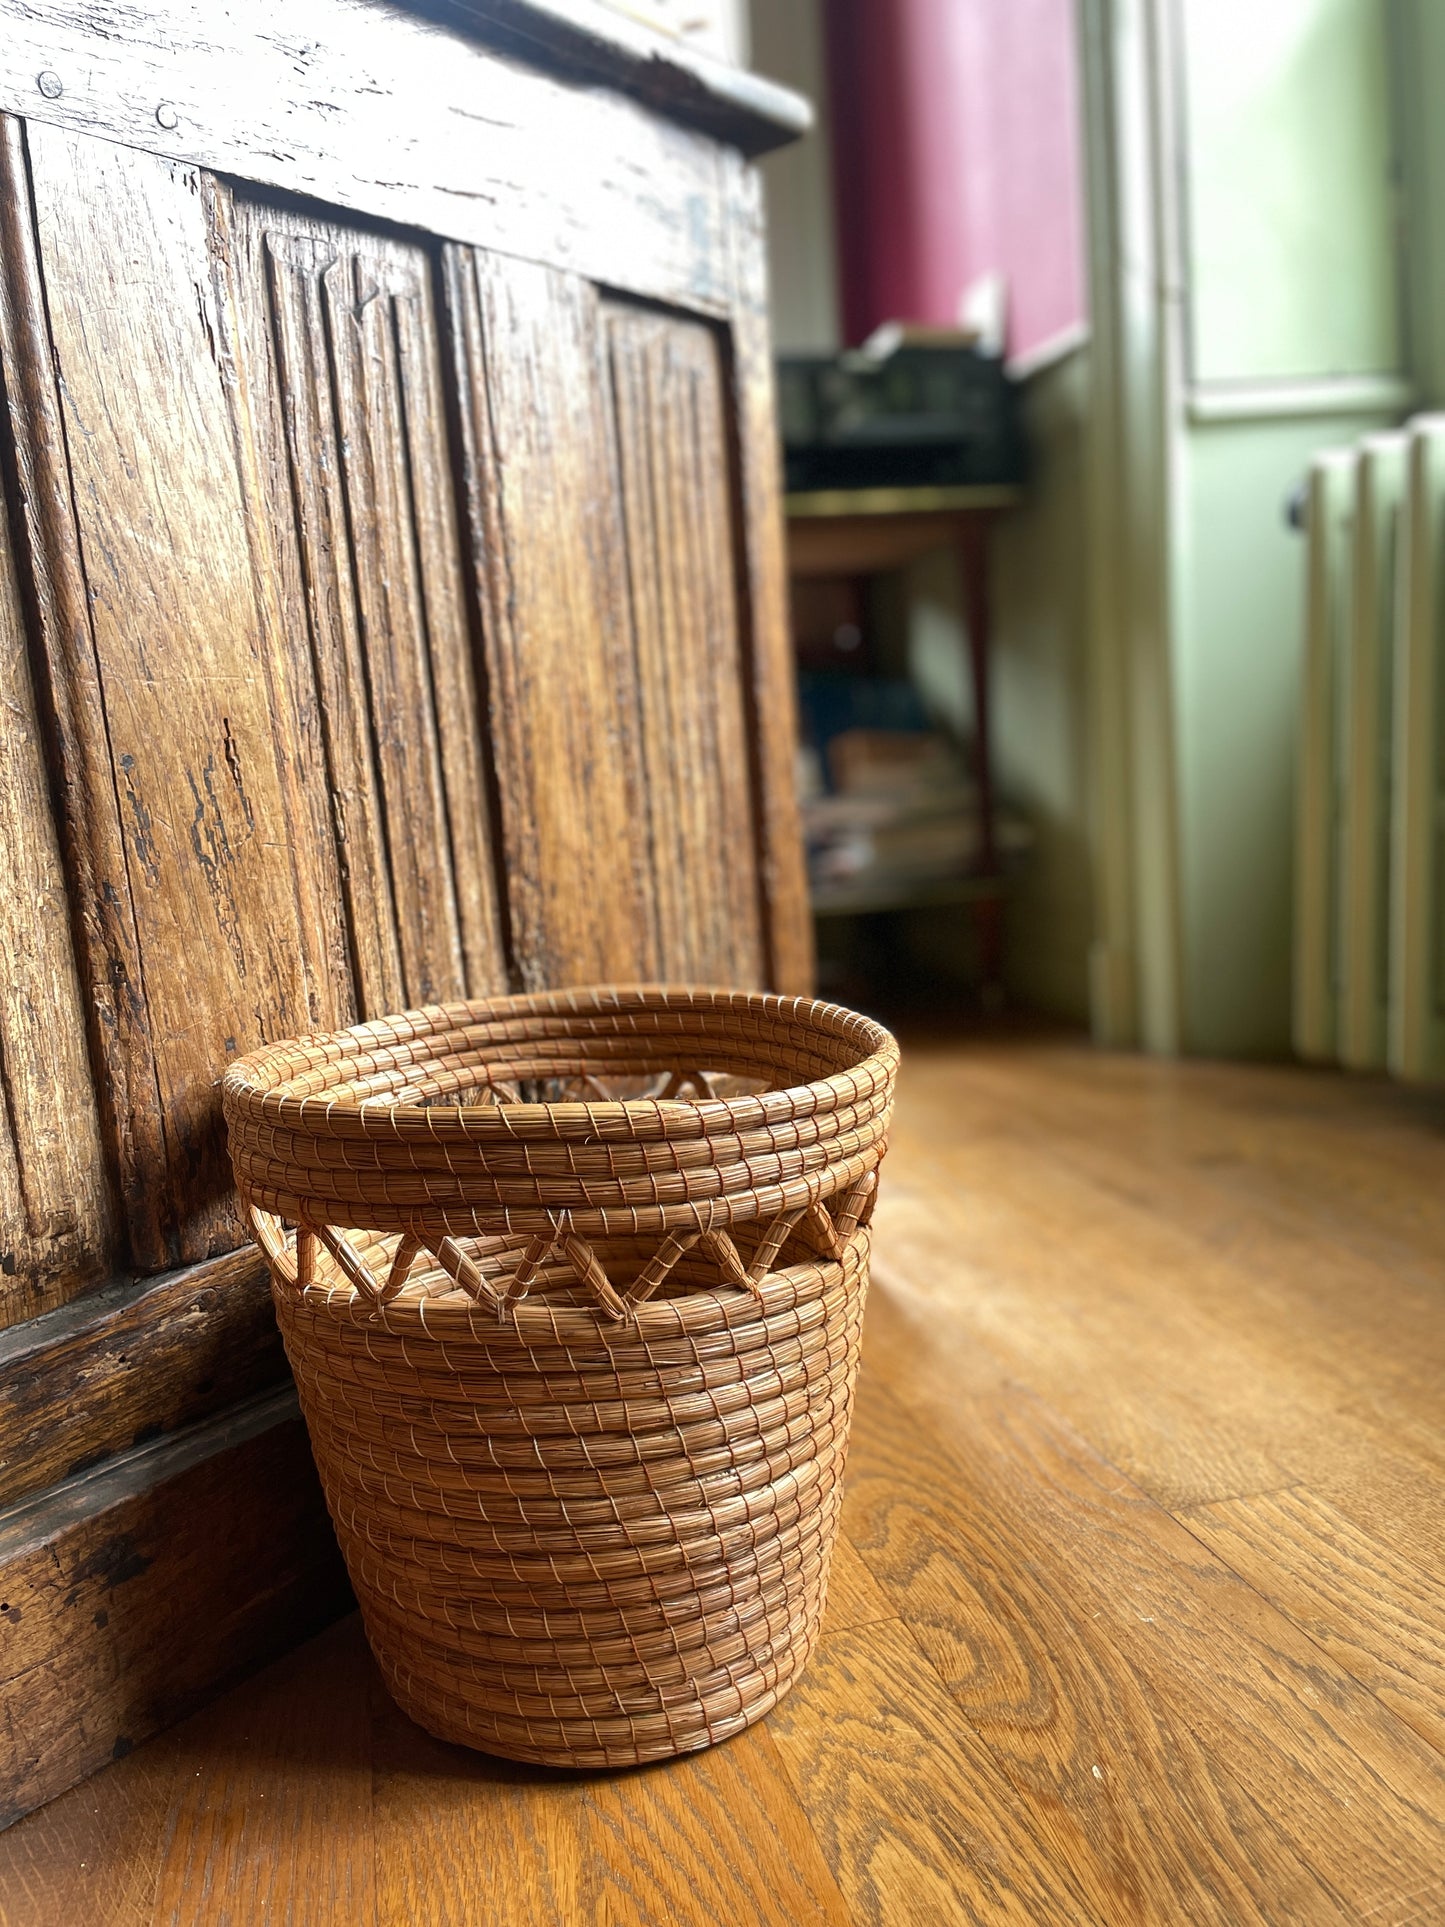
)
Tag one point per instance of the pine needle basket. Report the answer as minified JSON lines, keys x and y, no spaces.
{"x":572,"y":1286}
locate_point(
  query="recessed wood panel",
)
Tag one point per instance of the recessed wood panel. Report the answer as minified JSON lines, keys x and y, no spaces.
{"x":55,"y":1210}
{"x":548,"y":546}
{"x":48,"y":560}
{"x":178,"y":680}
{"x":600,"y":457}
{"x":673,"y":449}
{"x":339,"y":360}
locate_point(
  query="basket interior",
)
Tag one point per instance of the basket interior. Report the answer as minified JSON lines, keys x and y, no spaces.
{"x":580,"y":1083}
{"x":543,"y":1050}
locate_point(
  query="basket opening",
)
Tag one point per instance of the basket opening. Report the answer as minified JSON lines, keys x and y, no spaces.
{"x":497,"y":1260}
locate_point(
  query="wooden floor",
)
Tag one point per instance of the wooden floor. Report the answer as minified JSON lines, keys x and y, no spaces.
{"x":1139,"y":1617}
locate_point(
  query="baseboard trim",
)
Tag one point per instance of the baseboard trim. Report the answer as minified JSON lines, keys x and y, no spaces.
{"x":139,"y":1358}
{"x":133,"y":1592}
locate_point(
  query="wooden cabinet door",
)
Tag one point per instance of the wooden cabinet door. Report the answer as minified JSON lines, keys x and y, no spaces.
{"x":391,"y":609}
{"x":599,"y":487}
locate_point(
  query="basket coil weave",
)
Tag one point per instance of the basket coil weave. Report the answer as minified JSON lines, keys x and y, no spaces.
{"x":572,"y":1286}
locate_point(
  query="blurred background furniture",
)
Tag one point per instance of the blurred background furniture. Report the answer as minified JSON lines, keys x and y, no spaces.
{"x":847,"y":535}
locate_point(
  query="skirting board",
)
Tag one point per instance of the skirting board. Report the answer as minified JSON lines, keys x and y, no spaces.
{"x":125,"y":1364}
{"x":131,"y":1593}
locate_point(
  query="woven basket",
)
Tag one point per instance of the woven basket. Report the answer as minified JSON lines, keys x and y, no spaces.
{"x":573,"y":1299}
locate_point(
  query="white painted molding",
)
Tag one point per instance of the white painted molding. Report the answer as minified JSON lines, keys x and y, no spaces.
{"x":1285,"y":400}
{"x":1136,"y":365}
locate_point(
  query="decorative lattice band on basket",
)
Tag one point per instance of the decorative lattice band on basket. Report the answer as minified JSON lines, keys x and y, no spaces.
{"x":572,"y":1286}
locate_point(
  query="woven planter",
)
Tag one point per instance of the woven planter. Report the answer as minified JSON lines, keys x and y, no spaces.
{"x":572,"y":1286}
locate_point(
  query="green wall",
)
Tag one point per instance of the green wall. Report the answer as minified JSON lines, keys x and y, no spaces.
{"x":1288,"y":196}
{"x":1291,"y":341}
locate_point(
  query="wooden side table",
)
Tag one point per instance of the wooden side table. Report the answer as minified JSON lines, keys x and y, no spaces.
{"x":861,"y":532}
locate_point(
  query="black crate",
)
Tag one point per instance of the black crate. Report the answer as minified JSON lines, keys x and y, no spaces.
{"x":920,"y":418}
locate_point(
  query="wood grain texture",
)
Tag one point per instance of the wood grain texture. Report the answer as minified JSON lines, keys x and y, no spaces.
{"x":1377,"y":1612}
{"x":121,"y":1616}
{"x":163,"y":544}
{"x":913,"y":1816}
{"x":600,"y":475}
{"x":95,"y":851}
{"x":1240,"y":1385}
{"x":1306,"y":1214}
{"x":270,"y":1815}
{"x":98,"y":1862}
{"x":55,"y":1204}
{"x":373,"y":112}
{"x":340,"y":357}
{"x":719,"y":1837}
{"x":548,"y":544}
{"x":854,"y":1596}
{"x":129,"y":1362}
{"x":678,"y":514}
{"x":1081,"y":1628}
{"x":772,"y":714}
{"x":1042,"y":1693}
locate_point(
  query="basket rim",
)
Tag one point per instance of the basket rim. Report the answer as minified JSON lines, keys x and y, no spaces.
{"x":259,"y":1086}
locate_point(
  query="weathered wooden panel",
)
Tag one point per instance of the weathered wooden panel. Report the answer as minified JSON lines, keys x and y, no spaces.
{"x":55,"y":1214}
{"x":179,"y":654}
{"x":132,"y":1361}
{"x":132,"y":1594}
{"x":338,"y":356}
{"x":383,"y":115}
{"x":682,"y":561}
{"x":94,"y":846}
{"x":548,"y":542}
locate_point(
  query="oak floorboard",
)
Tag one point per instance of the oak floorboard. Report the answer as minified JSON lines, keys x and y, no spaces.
{"x":1203,"y":1374}
{"x":718,"y":1837}
{"x":92,"y":1856}
{"x":1136,"y":1617}
{"x":1274,"y":1190}
{"x":1118,"y":1672}
{"x":914,"y":1816}
{"x":270,"y":1816}
{"x":1356,"y":1156}
{"x":855,"y":1597}
{"x":1375,"y":1611}
{"x":1058,"y":1291}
